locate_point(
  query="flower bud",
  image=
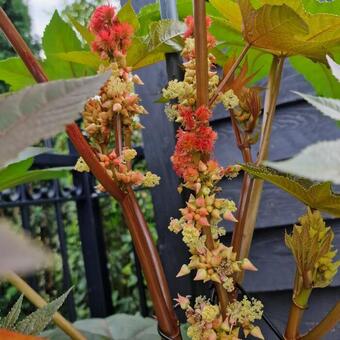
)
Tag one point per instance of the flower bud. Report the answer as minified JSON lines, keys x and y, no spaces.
{"x":229,"y":216}
{"x":183,"y":271}
{"x":247,"y":265}
{"x":117,"y":107}
{"x":201,"y":275}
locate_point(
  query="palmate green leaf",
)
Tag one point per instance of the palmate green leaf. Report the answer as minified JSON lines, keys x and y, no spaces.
{"x":11,"y":318}
{"x":315,"y":195}
{"x":317,"y":162}
{"x":20,"y":254}
{"x":87,"y":58}
{"x":59,"y":37}
{"x":164,"y":37}
{"x":14,"y":73}
{"x":41,"y":111}
{"x":323,"y":31}
{"x":148,"y":14}
{"x":36,"y":322}
{"x":273,"y":28}
{"x":318,"y":74}
{"x":128,"y":14}
{"x":17,"y":171}
{"x":328,"y":106}
{"x":118,"y":326}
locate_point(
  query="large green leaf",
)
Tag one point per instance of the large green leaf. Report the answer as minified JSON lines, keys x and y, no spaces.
{"x":127,"y":14}
{"x":273,"y":28}
{"x":323,"y":31}
{"x":59,"y":37}
{"x":318,"y":162}
{"x":118,"y":326}
{"x":87,"y":58}
{"x":37,"y":321}
{"x":328,"y":106}
{"x":41,"y":111}
{"x":14,"y":72}
{"x":164,"y":37}
{"x":20,"y":254}
{"x":318,"y":74}
{"x":17,"y":171}
{"x":148,"y":14}
{"x":316,"y":195}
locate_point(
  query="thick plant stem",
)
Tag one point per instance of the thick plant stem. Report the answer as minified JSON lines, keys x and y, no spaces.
{"x":272,"y":93}
{"x":230,"y":73}
{"x":325,"y":325}
{"x":146,"y":250}
{"x":245,"y":190}
{"x":201,"y":53}
{"x":298,"y":306}
{"x":39,"y":302}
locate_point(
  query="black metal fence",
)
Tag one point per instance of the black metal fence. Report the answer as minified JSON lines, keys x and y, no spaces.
{"x":82,"y":192}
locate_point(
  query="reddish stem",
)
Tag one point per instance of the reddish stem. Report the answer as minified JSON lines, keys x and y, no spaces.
{"x":246,"y":186}
{"x":230,"y":73}
{"x":201,"y":54}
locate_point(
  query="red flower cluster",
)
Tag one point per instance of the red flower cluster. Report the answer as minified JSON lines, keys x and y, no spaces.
{"x":197,"y":138}
{"x":112,"y":38}
{"x":189,"y":33}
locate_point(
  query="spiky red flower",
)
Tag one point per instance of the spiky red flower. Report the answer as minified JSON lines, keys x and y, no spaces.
{"x":189,"y":21}
{"x":203,"y":114}
{"x":112,"y":38}
{"x":102,"y":18}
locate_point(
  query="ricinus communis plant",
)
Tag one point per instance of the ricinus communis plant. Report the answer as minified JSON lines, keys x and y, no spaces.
{"x":109,"y":122}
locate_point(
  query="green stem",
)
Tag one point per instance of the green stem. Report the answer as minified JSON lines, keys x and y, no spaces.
{"x":272,"y":93}
{"x":298,"y":306}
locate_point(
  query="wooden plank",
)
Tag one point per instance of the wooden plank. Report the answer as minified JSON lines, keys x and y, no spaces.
{"x":294,"y":128}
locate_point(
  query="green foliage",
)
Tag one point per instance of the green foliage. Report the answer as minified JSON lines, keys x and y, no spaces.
{"x":63,"y":42}
{"x":127,"y":14}
{"x":81,"y":29}
{"x":12,"y":317}
{"x":36,"y":322}
{"x":317,"y":6}
{"x":118,"y":326}
{"x":315,"y":195}
{"x":17,"y":11}
{"x":318,"y":74}
{"x":15,"y":73}
{"x":53,"y":105}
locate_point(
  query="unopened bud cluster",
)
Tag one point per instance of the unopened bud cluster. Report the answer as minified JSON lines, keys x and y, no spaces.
{"x":311,"y":245}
